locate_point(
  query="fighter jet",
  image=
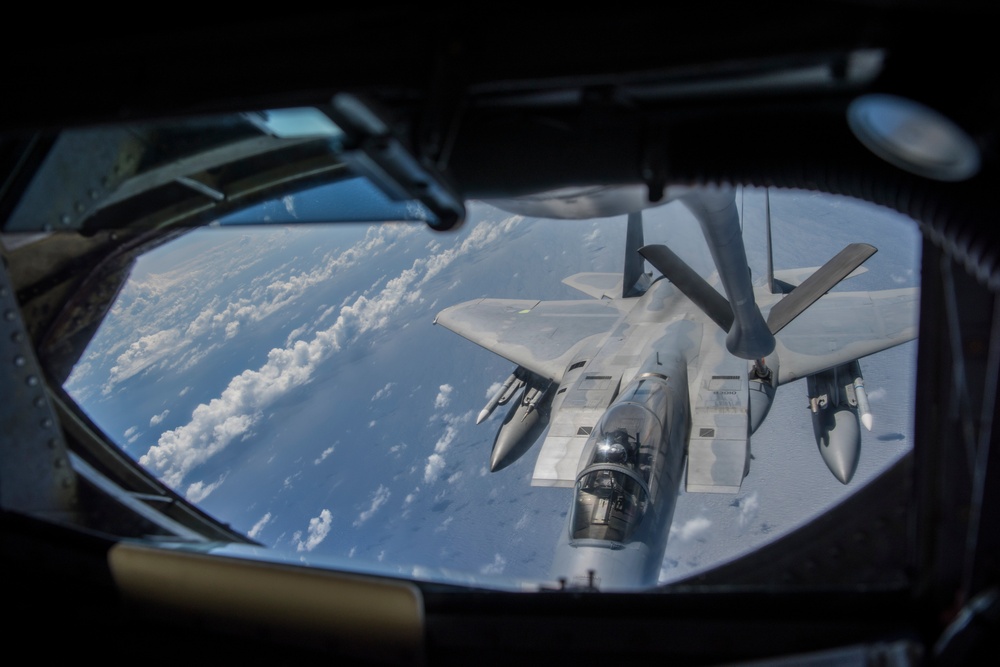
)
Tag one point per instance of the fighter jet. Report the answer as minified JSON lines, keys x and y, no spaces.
{"x":659,"y":381}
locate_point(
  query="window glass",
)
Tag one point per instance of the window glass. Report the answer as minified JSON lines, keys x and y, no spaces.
{"x":290,"y":380}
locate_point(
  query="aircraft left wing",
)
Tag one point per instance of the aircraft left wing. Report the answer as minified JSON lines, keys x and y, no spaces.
{"x":843,"y":326}
{"x":538,"y":335}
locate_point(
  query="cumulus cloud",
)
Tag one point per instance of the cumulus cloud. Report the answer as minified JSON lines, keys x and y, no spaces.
{"x":435,"y":464}
{"x":384,"y":392}
{"x":198,"y":491}
{"x":215,"y":424}
{"x":319,"y":528}
{"x":691,"y":529}
{"x":143,"y":353}
{"x":259,"y":526}
{"x":154,"y":305}
{"x":443,"y":397}
{"x":322,"y":457}
{"x":381,"y":496}
{"x":156,"y":419}
{"x":496,"y":567}
{"x":748,"y":509}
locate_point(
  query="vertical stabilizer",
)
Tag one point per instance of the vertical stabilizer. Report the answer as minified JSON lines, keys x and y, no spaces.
{"x":771,"y":287}
{"x":632,"y":278}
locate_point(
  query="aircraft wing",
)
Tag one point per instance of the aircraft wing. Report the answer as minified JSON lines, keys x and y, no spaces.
{"x":538,"y":335}
{"x":843,"y":326}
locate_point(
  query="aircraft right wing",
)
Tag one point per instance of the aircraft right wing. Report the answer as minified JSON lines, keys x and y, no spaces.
{"x":538,"y":335}
{"x":843,"y":326}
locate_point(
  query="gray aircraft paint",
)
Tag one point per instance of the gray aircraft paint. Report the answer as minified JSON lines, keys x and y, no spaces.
{"x":587,"y":352}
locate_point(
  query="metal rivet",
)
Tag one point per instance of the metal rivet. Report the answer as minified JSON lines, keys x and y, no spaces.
{"x":46,"y":423}
{"x":94,"y":194}
{"x":58,"y":462}
{"x":65,"y":219}
{"x":46,"y":227}
{"x":9,"y":315}
{"x":32,"y":381}
{"x":40,"y":402}
{"x":79,"y":207}
{"x":17,"y":336}
{"x":52,"y":442}
{"x":19,"y":361}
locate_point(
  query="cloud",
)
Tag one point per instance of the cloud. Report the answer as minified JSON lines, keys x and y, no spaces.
{"x":130,"y":431}
{"x":322,"y":457}
{"x":435,"y":464}
{"x":143,"y":353}
{"x":691,"y":529}
{"x":748,"y":509}
{"x":152,"y":306}
{"x":443,"y":397}
{"x":319,"y":528}
{"x":215,"y":424}
{"x":496,"y":567}
{"x":156,"y":419}
{"x":381,"y":496}
{"x":878,"y":394}
{"x":444,"y":524}
{"x":384,"y":392}
{"x":259,"y":526}
{"x":198,"y":491}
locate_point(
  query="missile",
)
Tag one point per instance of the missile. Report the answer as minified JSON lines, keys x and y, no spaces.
{"x":533,"y":396}
{"x":861,"y":395}
{"x":835,"y":420}
{"x":502,"y":396}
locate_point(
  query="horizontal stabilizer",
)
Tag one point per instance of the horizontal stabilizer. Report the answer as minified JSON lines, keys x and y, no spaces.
{"x":818,"y":284}
{"x":692,"y":285}
{"x":785,"y":280}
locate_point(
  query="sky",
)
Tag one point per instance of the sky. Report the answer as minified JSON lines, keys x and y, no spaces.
{"x":289,"y":380}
